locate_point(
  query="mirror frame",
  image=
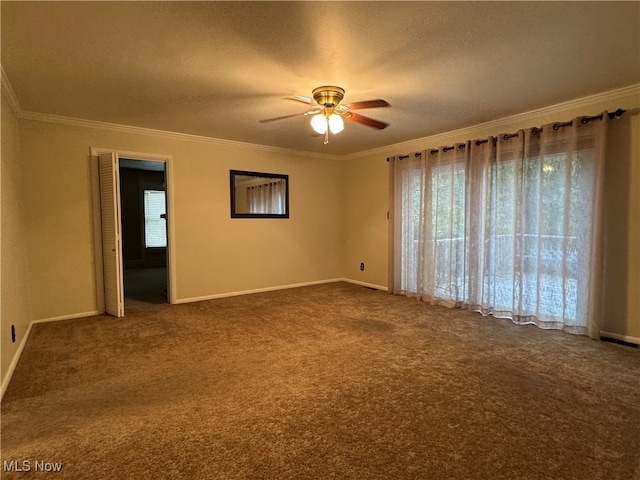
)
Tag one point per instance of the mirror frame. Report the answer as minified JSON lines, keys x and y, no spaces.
{"x":232,"y":188}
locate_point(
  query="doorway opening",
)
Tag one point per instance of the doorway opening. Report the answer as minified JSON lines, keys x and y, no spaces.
{"x":144,"y":232}
{"x":133,"y":231}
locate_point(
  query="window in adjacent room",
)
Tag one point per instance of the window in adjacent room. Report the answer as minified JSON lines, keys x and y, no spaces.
{"x":155,"y":223}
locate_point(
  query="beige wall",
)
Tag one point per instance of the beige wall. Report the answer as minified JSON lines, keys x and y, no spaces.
{"x":213,"y":253}
{"x":365,"y":189}
{"x":14,"y":300}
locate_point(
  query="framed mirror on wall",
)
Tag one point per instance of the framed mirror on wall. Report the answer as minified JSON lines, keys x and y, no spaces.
{"x":259,"y":194}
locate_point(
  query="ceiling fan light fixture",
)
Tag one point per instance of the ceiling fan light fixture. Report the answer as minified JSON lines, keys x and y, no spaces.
{"x":336,"y":124}
{"x":319,"y":124}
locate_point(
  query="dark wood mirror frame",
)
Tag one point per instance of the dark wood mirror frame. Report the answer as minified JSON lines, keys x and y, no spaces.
{"x":234,"y":181}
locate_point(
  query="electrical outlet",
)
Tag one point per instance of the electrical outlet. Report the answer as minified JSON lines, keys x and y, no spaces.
{"x":362,"y":267}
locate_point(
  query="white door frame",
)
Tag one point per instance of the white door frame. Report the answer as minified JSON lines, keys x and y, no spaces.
{"x":97,"y":228}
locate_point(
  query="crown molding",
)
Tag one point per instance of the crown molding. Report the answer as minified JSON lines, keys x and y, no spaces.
{"x":504,"y":122}
{"x":115,"y":127}
{"x":10,"y":94}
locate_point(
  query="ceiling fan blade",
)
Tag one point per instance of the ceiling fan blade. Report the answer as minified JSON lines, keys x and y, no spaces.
{"x":310,"y":112}
{"x":302,"y":99}
{"x":369,"y":122}
{"x":267,"y":120}
{"x":368,"y":104}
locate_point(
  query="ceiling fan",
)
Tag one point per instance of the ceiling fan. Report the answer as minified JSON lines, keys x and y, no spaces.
{"x":327,"y":113}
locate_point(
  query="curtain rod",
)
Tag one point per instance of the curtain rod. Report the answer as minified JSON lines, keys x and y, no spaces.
{"x":618,"y":113}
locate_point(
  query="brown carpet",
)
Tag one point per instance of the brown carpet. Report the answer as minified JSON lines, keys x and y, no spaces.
{"x":332,"y":381}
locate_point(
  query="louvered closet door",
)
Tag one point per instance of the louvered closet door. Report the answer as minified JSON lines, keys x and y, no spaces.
{"x":111,"y":239}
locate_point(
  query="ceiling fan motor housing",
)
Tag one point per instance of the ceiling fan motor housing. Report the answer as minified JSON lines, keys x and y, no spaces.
{"x":328,"y":96}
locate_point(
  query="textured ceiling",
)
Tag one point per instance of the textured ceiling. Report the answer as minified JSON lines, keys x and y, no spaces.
{"x":216,"y":68}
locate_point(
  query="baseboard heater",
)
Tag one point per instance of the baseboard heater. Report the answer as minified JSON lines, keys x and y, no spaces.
{"x":619,"y":342}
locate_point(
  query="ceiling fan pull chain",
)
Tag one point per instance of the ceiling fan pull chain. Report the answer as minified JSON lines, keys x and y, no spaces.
{"x":326,"y":136}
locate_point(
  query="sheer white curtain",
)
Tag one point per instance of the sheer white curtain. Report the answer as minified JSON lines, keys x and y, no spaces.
{"x":509,"y":225}
{"x":429,"y":225}
{"x":267,"y":198}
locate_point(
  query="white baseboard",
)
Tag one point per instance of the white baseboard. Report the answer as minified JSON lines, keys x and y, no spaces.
{"x":14,"y":362}
{"x":256,"y":290}
{"x":364,"y":284}
{"x":16,"y":357}
{"x":67,"y":317}
{"x":623,"y":338}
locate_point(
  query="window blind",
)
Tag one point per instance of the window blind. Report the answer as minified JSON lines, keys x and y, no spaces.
{"x":155,"y":227}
